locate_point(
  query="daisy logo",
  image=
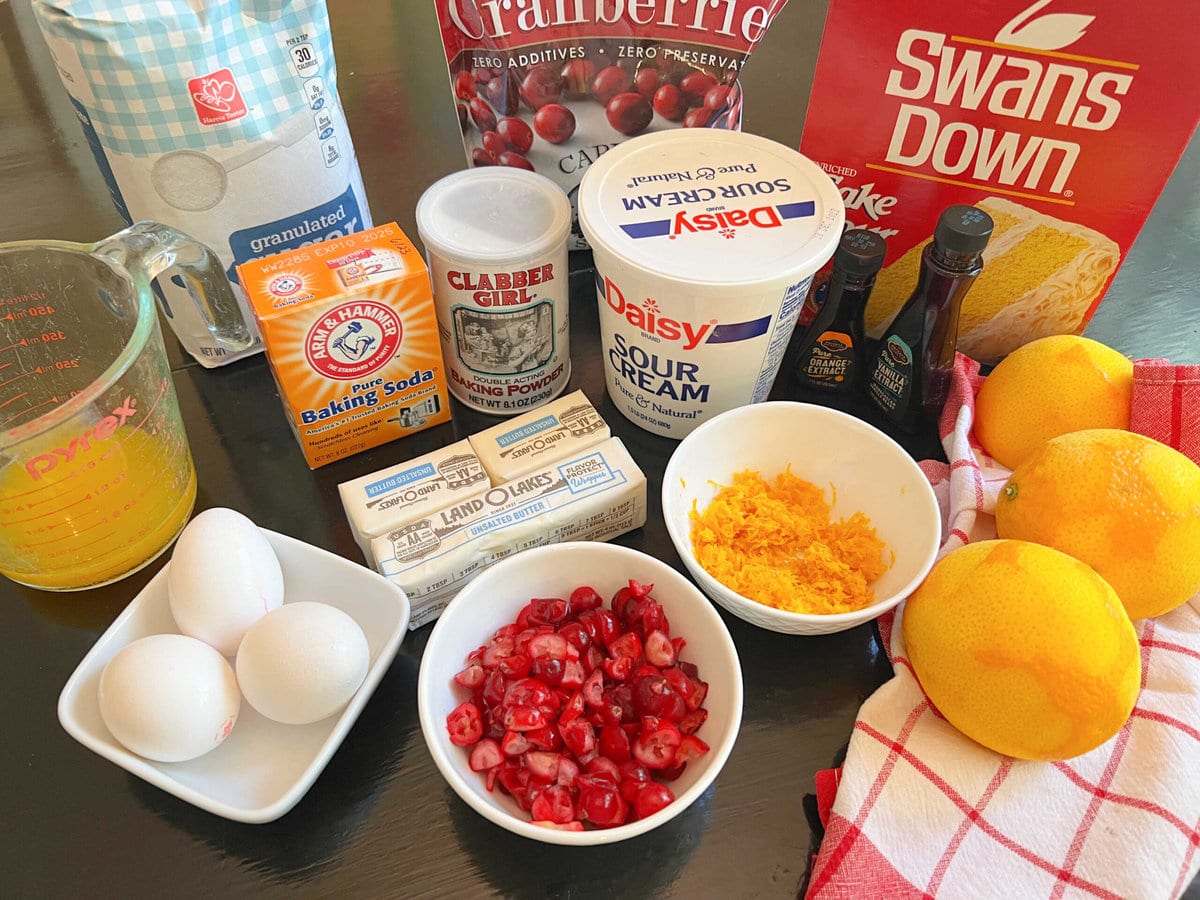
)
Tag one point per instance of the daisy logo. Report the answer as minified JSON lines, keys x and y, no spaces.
{"x":216,"y":97}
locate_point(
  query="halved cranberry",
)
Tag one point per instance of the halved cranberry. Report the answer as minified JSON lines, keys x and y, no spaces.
{"x":576,"y":635}
{"x":497,"y":649}
{"x":514,"y":743}
{"x":573,"y":709}
{"x":553,"y":805}
{"x":659,"y":651}
{"x":605,"y":768}
{"x":608,"y":626}
{"x":465,"y":724}
{"x":603,"y":806}
{"x":584,"y":598}
{"x":549,"y":670}
{"x":693,"y":720}
{"x":568,"y":771}
{"x":627,"y":593}
{"x":485,"y":755}
{"x":621,"y":695}
{"x":628,"y":645}
{"x":512,"y":775}
{"x":654,"y":696}
{"x":548,"y":611}
{"x":655,"y":749}
{"x":593,"y":688}
{"x":471,"y":677}
{"x":546,"y":738}
{"x":573,"y":675}
{"x":588,"y":621}
{"x":548,"y":646}
{"x":523,"y":718}
{"x":528,"y":692}
{"x":593,"y":658}
{"x":654,"y":619}
{"x":618,"y":668}
{"x":515,"y":666}
{"x":580,"y":737}
{"x":542,"y":765}
{"x":690,"y":747}
{"x":494,"y":688}
{"x":651,"y":798}
{"x":632,"y":780}
{"x":613,"y":743}
{"x":609,"y":82}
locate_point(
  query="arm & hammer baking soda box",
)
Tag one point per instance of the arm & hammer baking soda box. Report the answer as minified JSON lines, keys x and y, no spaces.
{"x":351,"y":336}
{"x":1063,"y":119}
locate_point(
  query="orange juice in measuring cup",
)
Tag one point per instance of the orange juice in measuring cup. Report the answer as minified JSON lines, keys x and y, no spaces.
{"x":352,"y":338}
{"x":96,"y":478}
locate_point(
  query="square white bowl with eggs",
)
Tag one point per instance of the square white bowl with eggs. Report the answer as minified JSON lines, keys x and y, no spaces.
{"x":263,"y":768}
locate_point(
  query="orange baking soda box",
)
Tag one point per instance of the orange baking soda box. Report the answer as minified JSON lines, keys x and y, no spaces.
{"x":351,"y":335}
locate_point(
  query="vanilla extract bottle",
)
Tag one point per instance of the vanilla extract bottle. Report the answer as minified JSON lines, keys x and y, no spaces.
{"x":831,"y":354}
{"x":909,"y":374}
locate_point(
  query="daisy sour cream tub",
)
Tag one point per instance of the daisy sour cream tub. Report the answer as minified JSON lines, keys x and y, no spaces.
{"x":705,"y":243}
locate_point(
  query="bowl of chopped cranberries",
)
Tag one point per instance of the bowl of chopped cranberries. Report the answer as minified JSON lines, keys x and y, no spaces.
{"x":580,"y":693}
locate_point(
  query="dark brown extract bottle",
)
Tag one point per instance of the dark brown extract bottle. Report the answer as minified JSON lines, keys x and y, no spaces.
{"x":909,"y":375}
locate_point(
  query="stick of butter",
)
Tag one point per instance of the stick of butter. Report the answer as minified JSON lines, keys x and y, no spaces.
{"x":393,"y":497}
{"x":536,"y":438}
{"x":593,"y":495}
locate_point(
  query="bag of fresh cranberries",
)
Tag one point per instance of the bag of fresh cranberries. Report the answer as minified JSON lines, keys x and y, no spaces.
{"x":550,"y":85}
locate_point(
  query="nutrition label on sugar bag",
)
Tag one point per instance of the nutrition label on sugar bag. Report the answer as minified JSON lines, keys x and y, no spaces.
{"x":309,"y":69}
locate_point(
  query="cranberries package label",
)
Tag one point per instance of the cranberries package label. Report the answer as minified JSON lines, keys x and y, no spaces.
{"x":550,"y":85}
{"x":1063,"y":120}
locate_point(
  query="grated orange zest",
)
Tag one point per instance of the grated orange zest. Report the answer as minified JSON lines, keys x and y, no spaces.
{"x":774,"y":542}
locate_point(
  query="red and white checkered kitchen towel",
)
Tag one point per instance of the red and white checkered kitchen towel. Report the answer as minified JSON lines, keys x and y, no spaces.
{"x":921,"y":811}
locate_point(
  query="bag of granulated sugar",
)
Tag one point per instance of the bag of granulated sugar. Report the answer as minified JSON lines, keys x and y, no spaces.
{"x":218,"y":118}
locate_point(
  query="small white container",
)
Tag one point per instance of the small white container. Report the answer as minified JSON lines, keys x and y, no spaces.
{"x":705,"y":243}
{"x":496,"y":240}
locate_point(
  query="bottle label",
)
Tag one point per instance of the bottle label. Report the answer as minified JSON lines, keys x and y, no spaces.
{"x":891,"y":381}
{"x":830,"y":359}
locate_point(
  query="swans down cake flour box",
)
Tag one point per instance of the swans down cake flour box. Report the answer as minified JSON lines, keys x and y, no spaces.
{"x":1063,"y":119}
{"x":351,"y":335}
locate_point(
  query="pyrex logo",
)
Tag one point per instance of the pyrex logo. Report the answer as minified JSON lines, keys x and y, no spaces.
{"x":85,"y":441}
{"x":648,"y":317}
{"x":725,"y":222}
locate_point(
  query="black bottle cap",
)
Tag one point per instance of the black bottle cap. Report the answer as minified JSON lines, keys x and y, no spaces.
{"x":860,"y":252}
{"x":963,"y":229}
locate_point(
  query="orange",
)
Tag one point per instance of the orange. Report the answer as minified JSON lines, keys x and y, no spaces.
{"x":1124,"y":504}
{"x":1023,"y":649}
{"x":1049,"y":387}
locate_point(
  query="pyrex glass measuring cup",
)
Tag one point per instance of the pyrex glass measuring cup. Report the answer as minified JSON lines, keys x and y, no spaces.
{"x":96,"y":477}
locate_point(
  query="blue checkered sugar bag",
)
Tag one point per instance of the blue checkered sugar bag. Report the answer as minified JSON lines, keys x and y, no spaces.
{"x":220,"y":119}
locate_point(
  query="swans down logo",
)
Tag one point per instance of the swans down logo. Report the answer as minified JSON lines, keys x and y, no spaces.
{"x":216,"y":97}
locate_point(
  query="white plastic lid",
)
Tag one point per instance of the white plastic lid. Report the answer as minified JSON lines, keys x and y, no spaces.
{"x":493,"y":214}
{"x":705,"y":206}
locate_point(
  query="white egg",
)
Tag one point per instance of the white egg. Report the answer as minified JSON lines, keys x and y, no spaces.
{"x":223,"y":578}
{"x":302,"y":662}
{"x":169,"y":697}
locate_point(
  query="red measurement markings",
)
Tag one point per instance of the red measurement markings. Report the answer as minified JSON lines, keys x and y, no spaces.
{"x":13,"y":400}
{"x":52,"y":512}
{"x":21,"y":343}
{"x":43,"y":487}
{"x":60,"y":539}
{"x":37,"y":371}
{"x":53,"y":401}
{"x":146,"y":418}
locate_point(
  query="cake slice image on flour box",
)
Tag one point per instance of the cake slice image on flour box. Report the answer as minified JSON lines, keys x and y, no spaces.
{"x":1063,"y":119}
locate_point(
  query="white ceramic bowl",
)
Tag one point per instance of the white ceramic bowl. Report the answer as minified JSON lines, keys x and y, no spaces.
{"x":263,"y":768}
{"x":494,"y":598}
{"x":871,"y":473}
